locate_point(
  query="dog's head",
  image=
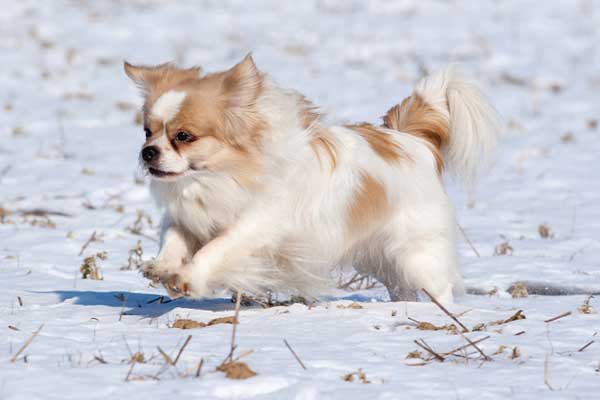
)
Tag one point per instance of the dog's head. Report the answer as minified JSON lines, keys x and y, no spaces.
{"x":197,"y":123}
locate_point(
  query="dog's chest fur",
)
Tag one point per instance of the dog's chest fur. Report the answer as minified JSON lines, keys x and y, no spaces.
{"x":204,"y":207}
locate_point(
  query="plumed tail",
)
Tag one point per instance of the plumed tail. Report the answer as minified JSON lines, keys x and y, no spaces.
{"x":452,"y":115}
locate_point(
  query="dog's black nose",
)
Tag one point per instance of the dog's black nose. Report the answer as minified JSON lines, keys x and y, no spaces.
{"x":149,"y":153}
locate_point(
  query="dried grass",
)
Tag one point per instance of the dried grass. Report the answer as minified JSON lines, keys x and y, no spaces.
{"x":353,"y":306}
{"x":503,"y":249}
{"x":89,"y":269}
{"x":358,"y":375}
{"x":585,"y":308}
{"x":183,"y":323}
{"x":518,"y":290}
{"x":236,"y":370}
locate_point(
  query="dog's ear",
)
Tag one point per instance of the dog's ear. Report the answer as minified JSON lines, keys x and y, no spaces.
{"x":242,"y":83}
{"x":146,"y":77}
{"x":137,"y":73}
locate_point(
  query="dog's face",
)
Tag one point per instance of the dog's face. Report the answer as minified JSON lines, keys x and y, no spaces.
{"x":198,"y":124}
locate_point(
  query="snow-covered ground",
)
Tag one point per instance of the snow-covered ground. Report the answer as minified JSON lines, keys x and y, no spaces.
{"x":69,"y":143}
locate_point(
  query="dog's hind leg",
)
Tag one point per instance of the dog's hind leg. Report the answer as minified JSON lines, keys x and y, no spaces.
{"x":425,"y":263}
{"x":374,"y":262}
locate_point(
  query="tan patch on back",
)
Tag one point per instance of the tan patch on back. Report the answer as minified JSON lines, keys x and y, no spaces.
{"x":322,"y":143}
{"x":382,"y":143}
{"x":368,"y":208}
{"x":418,"y":118}
{"x":309,"y":113}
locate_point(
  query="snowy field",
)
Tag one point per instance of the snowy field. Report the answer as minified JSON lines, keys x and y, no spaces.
{"x":70,"y":189}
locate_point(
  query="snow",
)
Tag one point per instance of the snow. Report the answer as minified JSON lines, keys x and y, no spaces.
{"x":66,"y":145}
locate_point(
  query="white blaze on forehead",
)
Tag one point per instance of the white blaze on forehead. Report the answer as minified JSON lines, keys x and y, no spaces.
{"x":167,"y":106}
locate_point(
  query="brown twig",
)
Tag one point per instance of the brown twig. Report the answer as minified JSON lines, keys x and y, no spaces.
{"x":168,"y":359}
{"x":41,"y":212}
{"x":485,"y":356}
{"x":294,"y":354}
{"x":474,"y":342}
{"x":428,"y":349}
{"x":181,"y":349}
{"x":585,"y":346}
{"x":27,"y":343}
{"x":199,"y":369}
{"x":130,"y":371}
{"x":448,"y":313}
{"x":238,"y":301}
{"x":469,"y":241}
{"x":91,"y":239}
{"x":565,"y":314}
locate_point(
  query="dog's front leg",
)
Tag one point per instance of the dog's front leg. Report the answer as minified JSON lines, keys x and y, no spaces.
{"x":205,"y":271}
{"x":176,"y":249}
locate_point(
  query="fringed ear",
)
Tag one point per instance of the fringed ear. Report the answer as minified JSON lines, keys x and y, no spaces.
{"x":137,"y":73}
{"x":147,"y":77}
{"x":243,"y":83}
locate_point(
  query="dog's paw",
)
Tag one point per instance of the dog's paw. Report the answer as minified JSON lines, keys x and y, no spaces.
{"x":156,"y":270}
{"x":180,"y":283}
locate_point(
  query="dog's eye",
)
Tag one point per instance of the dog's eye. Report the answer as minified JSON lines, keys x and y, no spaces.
{"x":147,"y":132}
{"x":183,"y":136}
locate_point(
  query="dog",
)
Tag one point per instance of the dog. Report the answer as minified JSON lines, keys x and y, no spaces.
{"x":259,"y":194}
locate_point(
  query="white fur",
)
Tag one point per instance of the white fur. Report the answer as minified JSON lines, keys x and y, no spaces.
{"x":292,"y":233}
{"x":166,"y":107}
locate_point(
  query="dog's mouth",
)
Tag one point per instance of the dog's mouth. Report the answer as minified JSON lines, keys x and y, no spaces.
{"x":162,"y":174}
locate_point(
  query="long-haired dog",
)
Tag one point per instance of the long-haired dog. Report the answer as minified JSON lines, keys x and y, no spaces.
{"x":260,"y":195}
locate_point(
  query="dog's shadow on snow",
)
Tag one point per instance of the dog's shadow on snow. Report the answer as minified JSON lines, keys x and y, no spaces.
{"x":149,"y":305}
{"x":141,"y":304}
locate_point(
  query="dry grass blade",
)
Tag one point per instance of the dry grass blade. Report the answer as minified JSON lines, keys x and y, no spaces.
{"x":585,"y":346}
{"x":92,"y":238}
{"x":471,"y":343}
{"x":168,"y":359}
{"x":238,"y":301}
{"x":428,"y":349}
{"x":187,"y":341}
{"x":448,"y":313}
{"x":199,"y":369}
{"x":469,"y":241}
{"x":294,"y":354}
{"x":129,"y":372}
{"x":565,"y":314}
{"x":26,"y":344}
{"x":485,"y":356}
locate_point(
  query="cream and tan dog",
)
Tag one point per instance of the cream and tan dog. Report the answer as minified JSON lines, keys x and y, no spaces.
{"x":260,"y":195}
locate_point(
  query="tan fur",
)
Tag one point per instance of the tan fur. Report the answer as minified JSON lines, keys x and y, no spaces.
{"x":368,"y":207}
{"x":219,"y":111}
{"x":321,"y":141}
{"x":309,"y":113}
{"x":322,"y":144}
{"x":381,"y":143}
{"x":417,"y":117}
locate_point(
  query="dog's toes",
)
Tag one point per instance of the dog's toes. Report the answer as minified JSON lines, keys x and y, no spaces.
{"x":177,"y":285}
{"x":151,"y":274}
